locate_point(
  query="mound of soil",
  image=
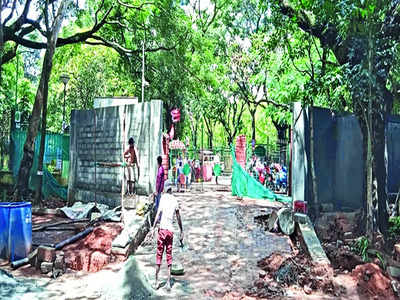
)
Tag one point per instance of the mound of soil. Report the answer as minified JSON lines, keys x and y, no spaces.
{"x":372,"y":283}
{"x":94,"y":251}
{"x":284,"y":271}
{"x":342,"y":257}
{"x":272,"y":263}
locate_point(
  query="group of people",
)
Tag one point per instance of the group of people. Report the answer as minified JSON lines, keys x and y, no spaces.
{"x":165,"y":204}
{"x":186,"y":171}
{"x":274,"y":175}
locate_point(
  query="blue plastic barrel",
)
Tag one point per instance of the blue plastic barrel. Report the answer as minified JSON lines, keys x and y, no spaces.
{"x":15,"y":230}
{"x":4,"y":228}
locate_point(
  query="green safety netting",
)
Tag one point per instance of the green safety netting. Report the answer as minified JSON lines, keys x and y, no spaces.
{"x":244,"y":185}
{"x":56,"y":156}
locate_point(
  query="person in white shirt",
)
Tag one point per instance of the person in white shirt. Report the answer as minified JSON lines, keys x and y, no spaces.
{"x":167,"y":208}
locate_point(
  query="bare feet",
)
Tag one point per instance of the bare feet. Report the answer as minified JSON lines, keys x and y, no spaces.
{"x":168,"y":286}
{"x":155,"y":285}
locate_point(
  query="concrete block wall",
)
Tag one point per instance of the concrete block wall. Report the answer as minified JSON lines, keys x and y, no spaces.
{"x":338,"y":155}
{"x":97,"y":136}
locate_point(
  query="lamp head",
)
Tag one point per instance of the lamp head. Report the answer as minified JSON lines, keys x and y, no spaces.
{"x":64,"y":78}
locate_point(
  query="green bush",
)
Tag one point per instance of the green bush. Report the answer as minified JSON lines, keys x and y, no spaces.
{"x":360,"y":247}
{"x":394,"y":227}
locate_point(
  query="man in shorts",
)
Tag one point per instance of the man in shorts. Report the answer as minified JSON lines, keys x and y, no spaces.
{"x":168,"y":207}
{"x":132,"y":159}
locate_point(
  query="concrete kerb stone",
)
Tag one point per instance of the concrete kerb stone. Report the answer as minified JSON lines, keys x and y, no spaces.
{"x":135,"y":230}
{"x":132,"y":223}
{"x":310,"y":242}
{"x":142,"y":231}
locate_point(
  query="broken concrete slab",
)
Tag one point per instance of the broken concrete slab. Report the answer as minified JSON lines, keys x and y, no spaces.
{"x":45,"y":254}
{"x":286,"y":221}
{"x":59,"y":263}
{"x":120,"y":251}
{"x":142,"y":231}
{"x":311,"y":243}
{"x":46,"y":267}
{"x":397,"y":252}
{"x":131,"y":226}
{"x":129,"y":202}
{"x":393,"y":271}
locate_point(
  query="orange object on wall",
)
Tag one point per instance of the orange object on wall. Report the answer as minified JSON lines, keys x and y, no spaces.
{"x":165,"y":164}
{"x":240,"y":150}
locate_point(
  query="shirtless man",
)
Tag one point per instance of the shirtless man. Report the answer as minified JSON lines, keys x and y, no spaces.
{"x":132,"y":159}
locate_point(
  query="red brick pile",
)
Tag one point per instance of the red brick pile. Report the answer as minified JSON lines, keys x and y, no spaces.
{"x":93,"y":252}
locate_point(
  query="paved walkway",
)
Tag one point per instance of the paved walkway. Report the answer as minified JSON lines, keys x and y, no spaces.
{"x":223,"y":244}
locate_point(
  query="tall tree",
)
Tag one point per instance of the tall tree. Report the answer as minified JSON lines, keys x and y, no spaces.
{"x":349,"y":37}
{"x":53,"y":18}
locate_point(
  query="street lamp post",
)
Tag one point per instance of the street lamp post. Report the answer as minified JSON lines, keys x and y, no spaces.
{"x":64,"y":79}
{"x":143,"y":83}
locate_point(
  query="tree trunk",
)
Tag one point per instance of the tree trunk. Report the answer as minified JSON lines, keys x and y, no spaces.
{"x":282,"y":140}
{"x":315,"y":201}
{"x":379,"y":143}
{"x":195,"y":136}
{"x":209,"y":132}
{"x":10,"y":146}
{"x":167,"y":119}
{"x":253,"y":124}
{"x":22,"y":187}
{"x":38,"y":195}
{"x":1,"y":41}
{"x":2,"y":153}
{"x":193,"y":127}
{"x":229,"y":139}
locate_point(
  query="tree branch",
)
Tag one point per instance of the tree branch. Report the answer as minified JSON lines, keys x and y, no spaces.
{"x":97,"y":12}
{"x":35,"y":25}
{"x":8,"y":18}
{"x":16,"y":26}
{"x":326,"y":33}
{"x":276,"y":104}
{"x":134,"y":7}
{"x":215,"y":12}
{"x":304,"y":72}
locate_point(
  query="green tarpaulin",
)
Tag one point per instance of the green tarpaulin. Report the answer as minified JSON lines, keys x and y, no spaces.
{"x":244,"y":185}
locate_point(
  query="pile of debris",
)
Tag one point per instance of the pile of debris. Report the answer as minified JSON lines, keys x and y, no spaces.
{"x":334,"y":267}
{"x":48,"y":261}
{"x":82,"y":237}
{"x":93,"y":252}
{"x":281,"y":271}
{"x":374,"y":272}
